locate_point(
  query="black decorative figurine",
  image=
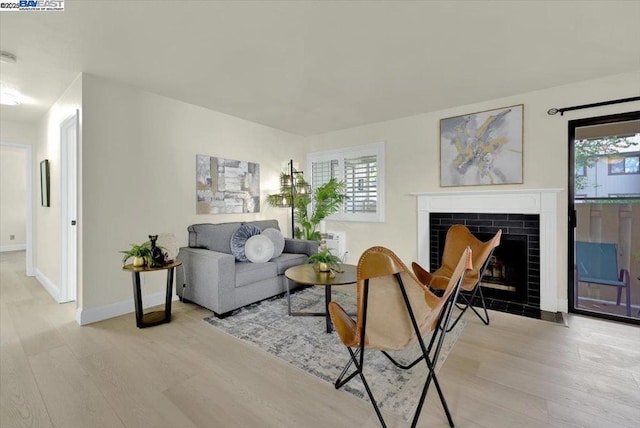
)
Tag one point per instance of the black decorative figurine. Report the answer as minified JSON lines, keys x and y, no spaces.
{"x":157,"y":258}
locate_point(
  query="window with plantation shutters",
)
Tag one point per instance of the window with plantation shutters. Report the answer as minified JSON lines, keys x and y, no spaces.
{"x":323,"y":171}
{"x":361,"y":169}
{"x":360,"y":176}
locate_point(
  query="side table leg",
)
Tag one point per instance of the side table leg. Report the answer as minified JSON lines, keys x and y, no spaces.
{"x":327,"y":299}
{"x":167,"y":304}
{"x":137,"y":297}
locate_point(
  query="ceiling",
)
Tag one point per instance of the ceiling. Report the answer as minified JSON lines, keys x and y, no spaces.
{"x":317,"y":66}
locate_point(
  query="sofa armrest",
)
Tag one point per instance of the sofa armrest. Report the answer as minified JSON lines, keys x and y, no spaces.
{"x":300,"y":246}
{"x":207,"y":278}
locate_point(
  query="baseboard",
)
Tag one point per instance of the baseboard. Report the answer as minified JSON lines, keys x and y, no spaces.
{"x":101,"y":313}
{"x":15,"y":247}
{"x":48,"y":285}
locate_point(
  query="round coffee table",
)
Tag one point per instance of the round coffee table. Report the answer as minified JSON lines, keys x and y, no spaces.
{"x":305,"y":274}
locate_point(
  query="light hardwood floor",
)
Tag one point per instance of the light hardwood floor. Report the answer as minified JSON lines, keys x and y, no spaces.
{"x":518,"y":372}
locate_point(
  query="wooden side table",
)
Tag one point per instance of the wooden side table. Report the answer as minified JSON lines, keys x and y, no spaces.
{"x":156,"y":317}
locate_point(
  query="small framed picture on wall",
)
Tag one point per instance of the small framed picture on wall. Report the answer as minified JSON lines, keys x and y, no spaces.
{"x":45,"y":186}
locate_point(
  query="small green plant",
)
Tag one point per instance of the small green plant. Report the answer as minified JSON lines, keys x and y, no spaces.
{"x":325,"y":257}
{"x":138,"y":251}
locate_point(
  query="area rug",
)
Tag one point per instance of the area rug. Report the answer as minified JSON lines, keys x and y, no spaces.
{"x":304,"y":343}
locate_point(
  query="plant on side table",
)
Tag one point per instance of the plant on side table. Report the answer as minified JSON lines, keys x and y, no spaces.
{"x":141,"y":254}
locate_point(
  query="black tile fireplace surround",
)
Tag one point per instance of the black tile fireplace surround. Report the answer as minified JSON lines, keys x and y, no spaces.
{"x":520,"y":234}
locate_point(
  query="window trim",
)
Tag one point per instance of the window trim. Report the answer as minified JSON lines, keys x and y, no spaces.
{"x":339,"y":154}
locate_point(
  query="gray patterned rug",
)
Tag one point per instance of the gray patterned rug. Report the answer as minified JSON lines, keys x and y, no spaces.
{"x":303,"y":342}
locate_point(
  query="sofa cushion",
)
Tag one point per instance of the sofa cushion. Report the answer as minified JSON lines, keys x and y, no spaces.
{"x":264,"y":224}
{"x":239,"y":239}
{"x":287,"y":260}
{"x":249,"y":273}
{"x":214,"y":237}
{"x":276,"y":237}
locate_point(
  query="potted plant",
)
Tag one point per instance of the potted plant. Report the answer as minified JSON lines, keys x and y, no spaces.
{"x":309,"y":208}
{"x":141,"y":254}
{"x":324,"y":261}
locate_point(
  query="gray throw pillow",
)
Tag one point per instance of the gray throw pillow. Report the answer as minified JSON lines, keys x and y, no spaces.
{"x":278,"y":240}
{"x":239,"y":238}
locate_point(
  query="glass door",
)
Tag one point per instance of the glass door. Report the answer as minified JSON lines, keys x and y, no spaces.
{"x":604,"y":213}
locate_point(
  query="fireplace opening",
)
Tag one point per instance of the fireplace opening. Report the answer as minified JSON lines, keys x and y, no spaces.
{"x":505,"y":276}
{"x":511,"y":282}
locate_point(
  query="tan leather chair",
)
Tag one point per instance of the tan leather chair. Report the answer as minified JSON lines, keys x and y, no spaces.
{"x":458,"y":238}
{"x":393,"y":312}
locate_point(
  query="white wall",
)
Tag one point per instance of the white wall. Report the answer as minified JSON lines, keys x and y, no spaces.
{"x":13,"y":198}
{"x":47,"y":219}
{"x":17,"y":216}
{"x":412,"y":158}
{"x":138,"y":171}
{"x":17,"y":132}
{"x":15,"y":137}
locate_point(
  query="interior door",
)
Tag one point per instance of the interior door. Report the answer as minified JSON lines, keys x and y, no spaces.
{"x":604,"y":216}
{"x":69,"y":209}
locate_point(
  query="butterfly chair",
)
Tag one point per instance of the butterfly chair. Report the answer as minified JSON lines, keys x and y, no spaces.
{"x":458,"y":238}
{"x":393,"y":312}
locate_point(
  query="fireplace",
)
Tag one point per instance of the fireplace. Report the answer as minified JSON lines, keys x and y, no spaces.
{"x":528,"y":205}
{"x":506,"y":272}
{"x":511,"y":281}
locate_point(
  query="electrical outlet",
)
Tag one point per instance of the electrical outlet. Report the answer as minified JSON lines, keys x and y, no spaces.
{"x":12,"y":237}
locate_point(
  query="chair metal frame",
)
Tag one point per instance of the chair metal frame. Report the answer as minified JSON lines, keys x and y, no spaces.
{"x":468,"y":298}
{"x":357,"y":356}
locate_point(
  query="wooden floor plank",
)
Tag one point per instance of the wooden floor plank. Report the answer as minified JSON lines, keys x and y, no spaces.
{"x":71,"y":397}
{"x":20,"y":402}
{"x":131,"y":392}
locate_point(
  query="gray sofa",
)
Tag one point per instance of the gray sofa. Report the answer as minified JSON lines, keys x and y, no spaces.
{"x":212,"y":277}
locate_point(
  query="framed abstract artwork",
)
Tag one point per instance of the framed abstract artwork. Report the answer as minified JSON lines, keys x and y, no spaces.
{"x":226,"y":186}
{"x":482,"y":148}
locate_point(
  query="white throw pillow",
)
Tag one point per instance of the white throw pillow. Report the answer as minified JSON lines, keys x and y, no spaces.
{"x":278,"y":240}
{"x":258,"y":249}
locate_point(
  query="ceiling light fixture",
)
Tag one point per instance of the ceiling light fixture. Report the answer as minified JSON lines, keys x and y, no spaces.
{"x":9,"y":96}
{"x":8,"y":57}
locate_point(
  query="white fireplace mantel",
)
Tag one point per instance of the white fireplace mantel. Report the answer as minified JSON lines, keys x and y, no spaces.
{"x":526,"y":201}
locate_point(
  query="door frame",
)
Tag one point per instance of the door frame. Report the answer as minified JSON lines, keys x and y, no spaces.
{"x":69,"y":133}
{"x":572,"y":126}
